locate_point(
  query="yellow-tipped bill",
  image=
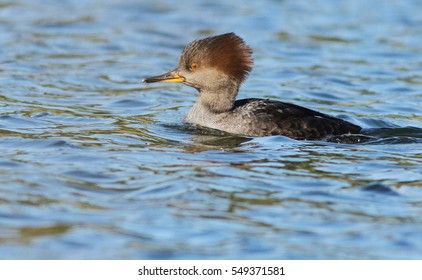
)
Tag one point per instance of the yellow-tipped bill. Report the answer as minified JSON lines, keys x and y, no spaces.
{"x":170,"y":77}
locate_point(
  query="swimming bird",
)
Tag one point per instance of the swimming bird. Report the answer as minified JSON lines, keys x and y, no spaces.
{"x":217,"y":66}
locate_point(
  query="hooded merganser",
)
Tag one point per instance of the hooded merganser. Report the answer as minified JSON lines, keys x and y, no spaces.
{"x":216,"y":67}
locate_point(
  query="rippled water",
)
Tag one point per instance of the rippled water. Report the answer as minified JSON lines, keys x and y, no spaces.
{"x":96,"y":165}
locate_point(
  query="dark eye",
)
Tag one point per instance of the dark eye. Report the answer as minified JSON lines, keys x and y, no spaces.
{"x":194,"y":66}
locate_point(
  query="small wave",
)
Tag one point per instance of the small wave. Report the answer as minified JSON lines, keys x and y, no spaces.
{"x":380,"y":136}
{"x":396,"y":135}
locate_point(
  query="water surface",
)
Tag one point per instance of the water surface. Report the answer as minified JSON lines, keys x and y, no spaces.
{"x":96,"y":165}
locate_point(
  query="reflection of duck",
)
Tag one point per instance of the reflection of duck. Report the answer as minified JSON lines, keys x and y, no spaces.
{"x":216,"y":67}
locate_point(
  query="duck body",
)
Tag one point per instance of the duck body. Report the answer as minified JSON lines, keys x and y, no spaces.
{"x":216,"y":67}
{"x":264,"y":117}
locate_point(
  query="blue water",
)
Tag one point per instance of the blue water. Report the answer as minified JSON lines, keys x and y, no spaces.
{"x":96,"y":165}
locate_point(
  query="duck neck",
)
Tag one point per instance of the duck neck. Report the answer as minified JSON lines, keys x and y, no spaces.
{"x":218,"y":99}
